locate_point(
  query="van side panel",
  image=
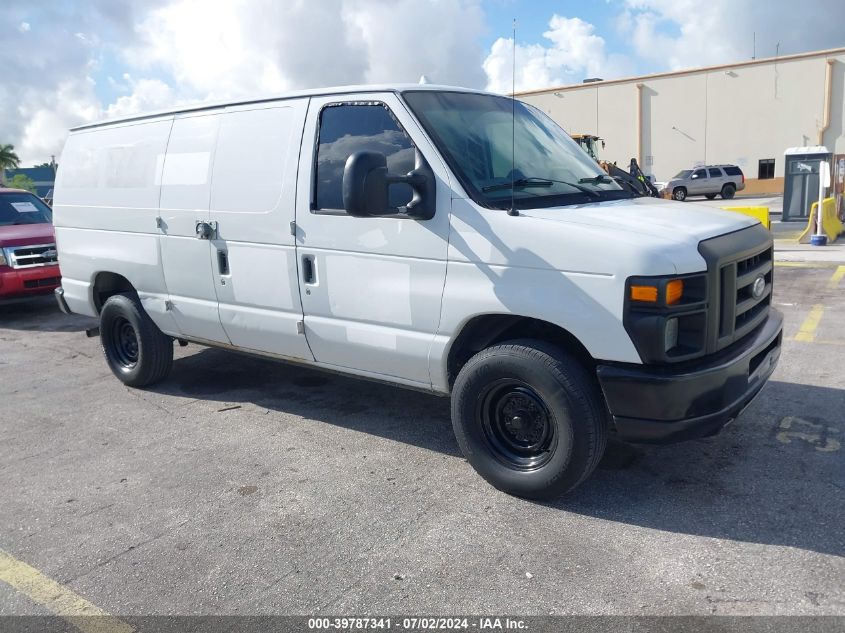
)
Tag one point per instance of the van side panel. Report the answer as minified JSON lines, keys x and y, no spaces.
{"x":185,"y":195}
{"x":105,"y":209}
{"x":571,"y":284}
{"x":252,"y":200}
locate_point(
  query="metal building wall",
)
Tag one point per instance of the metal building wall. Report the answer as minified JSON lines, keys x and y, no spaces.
{"x":738,"y":113}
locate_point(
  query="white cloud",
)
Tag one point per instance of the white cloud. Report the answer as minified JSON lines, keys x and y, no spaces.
{"x":170,"y":51}
{"x":686,"y":33}
{"x":575,"y":51}
{"x":145,"y":95}
{"x":405,"y":39}
{"x":190,"y":50}
{"x":263,"y":46}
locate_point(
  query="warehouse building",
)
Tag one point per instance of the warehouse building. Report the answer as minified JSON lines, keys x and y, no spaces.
{"x":747,"y":113}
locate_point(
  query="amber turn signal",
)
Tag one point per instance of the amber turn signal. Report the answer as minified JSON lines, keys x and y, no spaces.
{"x":644,"y":293}
{"x":674,"y":291}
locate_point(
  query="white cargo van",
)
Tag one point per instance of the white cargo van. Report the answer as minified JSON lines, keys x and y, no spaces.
{"x":400,"y":234}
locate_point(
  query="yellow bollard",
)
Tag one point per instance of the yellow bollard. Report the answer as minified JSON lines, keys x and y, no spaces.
{"x":831,"y":225}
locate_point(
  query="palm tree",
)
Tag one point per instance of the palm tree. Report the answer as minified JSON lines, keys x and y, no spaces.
{"x":8,"y":158}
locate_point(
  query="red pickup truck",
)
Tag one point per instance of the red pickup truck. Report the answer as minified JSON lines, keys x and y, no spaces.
{"x":28,"y":259}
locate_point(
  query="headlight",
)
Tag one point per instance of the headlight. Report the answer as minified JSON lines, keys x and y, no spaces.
{"x":666,"y":317}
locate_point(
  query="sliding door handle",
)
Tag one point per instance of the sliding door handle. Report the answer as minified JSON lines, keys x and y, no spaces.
{"x":223,"y":262}
{"x":309,"y":269}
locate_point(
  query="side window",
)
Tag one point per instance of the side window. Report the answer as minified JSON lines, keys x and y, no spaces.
{"x":733,"y":171}
{"x":699,"y":173}
{"x":715,"y":173}
{"x":349,"y":128}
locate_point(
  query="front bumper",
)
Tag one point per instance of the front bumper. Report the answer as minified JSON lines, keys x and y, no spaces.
{"x":27,"y":282}
{"x":671,"y":404}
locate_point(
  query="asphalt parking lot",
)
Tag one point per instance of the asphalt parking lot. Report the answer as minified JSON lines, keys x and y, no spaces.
{"x":241,"y":486}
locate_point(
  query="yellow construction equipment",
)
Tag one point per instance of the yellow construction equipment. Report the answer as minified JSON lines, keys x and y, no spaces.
{"x":634,"y":178}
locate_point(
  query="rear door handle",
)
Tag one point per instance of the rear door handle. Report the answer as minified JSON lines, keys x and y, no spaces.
{"x":309,"y":269}
{"x":223,"y":262}
{"x":206,"y":230}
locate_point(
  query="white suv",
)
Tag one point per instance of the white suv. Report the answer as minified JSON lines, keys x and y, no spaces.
{"x":708,"y":181}
{"x":395,"y":233}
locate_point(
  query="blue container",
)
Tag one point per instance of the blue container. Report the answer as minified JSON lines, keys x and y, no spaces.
{"x":818,"y":240}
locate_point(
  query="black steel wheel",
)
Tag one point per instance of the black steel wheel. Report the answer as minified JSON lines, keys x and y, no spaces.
{"x":529,"y":417}
{"x":124,"y":344}
{"x":137,"y":352}
{"x":517,"y":424}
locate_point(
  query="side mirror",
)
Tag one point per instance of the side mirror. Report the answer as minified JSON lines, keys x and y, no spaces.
{"x":366,"y":183}
{"x":694,"y":176}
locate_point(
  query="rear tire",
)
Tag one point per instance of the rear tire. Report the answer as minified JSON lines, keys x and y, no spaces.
{"x":137,"y":352}
{"x":728,"y":192}
{"x":529,"y":418}
{"x":710,"y":196}
{"x":679,"y":194}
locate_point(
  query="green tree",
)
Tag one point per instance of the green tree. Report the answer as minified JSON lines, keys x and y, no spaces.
{"x":22,"y":182}
{"x":8,"y":158}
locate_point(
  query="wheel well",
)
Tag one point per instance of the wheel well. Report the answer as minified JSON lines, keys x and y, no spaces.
{"x":486,"y":330}
{"x":108,"y":284}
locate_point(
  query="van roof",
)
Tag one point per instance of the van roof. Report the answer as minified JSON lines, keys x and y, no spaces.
{"x":314,"y":92}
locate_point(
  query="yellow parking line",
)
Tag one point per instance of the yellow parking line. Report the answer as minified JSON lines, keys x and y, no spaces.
{"x":72,"y":608}
{"x":807,"y":333}
{"x":837,"y":276}
{"x":784,"y":264}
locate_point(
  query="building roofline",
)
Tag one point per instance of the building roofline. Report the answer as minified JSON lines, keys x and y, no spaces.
{"x":686,"y":71}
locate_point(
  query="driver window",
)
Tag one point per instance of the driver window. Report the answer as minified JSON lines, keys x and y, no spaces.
{"x":349,"y":128}
{"x":699,"y":173}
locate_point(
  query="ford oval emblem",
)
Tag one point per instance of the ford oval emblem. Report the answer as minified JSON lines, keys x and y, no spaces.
{"x":759,"y":287}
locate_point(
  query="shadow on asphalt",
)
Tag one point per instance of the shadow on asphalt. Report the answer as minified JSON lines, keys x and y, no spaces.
{"x":412,"y":417}
{"x":41,"y":314}
{"x":746,"y":484}
{"x":775,"y":477}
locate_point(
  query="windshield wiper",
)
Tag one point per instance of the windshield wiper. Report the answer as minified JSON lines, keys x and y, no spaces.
{"x":518,"y":183}
{"x":539,"y":182}
{"x":598,"y":180}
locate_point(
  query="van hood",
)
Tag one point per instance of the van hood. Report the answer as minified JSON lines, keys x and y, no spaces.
{"x":26,"y":234}
{"x":662,"y":219}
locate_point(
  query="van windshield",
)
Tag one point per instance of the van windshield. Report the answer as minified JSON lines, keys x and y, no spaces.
{"x":683,"y":174}
{"x":23,"y":208}
{"x":476,"y":134}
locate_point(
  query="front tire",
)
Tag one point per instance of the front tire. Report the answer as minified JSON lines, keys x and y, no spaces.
{"x":529,"y":418}
{"x":679,"y":194}
{"x":137,"y":352}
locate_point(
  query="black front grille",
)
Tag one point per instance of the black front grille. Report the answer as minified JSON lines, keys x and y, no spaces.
{"x":740,"y":310}
{"x":42,"y":283}
{"x":735,"y":262}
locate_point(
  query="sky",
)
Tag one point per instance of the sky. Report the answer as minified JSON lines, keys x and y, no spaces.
{"x":66,"y":62}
